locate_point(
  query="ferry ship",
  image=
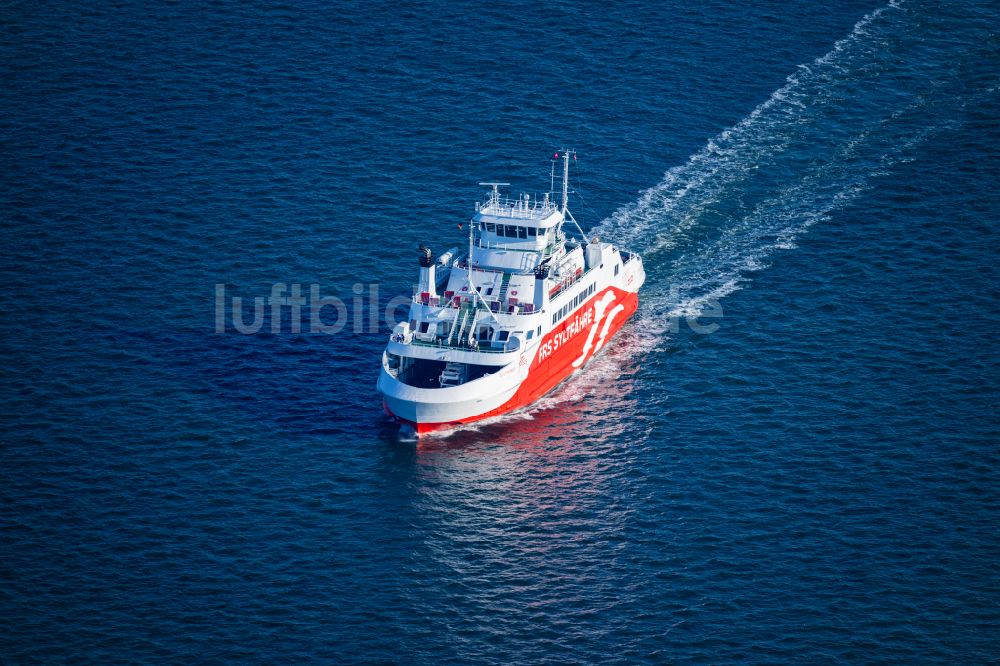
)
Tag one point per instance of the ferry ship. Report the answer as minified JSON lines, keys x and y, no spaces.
{"x":496,"y":327}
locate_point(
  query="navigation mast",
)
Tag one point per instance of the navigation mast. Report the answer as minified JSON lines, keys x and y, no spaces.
{"x":565,"y":193}
{"x":565,"y":199}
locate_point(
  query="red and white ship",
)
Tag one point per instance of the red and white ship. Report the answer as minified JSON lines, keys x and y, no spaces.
{"x":493,"y":329}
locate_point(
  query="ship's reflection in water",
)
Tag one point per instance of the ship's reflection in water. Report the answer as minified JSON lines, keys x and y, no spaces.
{"x":533,"y":503}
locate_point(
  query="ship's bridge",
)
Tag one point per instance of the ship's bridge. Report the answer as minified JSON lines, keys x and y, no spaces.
{"x":516,"y":234}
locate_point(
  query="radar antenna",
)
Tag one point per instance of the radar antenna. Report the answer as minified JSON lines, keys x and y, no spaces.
{"x":495,"y":194}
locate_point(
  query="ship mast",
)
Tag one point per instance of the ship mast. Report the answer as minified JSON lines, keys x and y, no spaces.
{"x":565,"y":194}
{"x":565,"y":199}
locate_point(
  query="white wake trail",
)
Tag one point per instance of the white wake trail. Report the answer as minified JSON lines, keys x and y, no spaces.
{"x":810,"y":149}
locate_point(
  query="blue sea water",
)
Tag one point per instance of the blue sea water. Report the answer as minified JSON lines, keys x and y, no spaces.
{"x":790,"y":454}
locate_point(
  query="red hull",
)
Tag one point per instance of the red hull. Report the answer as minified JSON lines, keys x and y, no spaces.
{"x":561,"y":348}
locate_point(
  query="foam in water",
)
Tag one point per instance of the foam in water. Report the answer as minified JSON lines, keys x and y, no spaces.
{"x":805,"y":152}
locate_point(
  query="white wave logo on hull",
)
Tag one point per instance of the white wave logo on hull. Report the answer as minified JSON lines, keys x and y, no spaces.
{"x":599,"y":314}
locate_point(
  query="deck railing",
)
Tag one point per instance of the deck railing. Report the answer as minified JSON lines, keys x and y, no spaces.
{"x":514,"y":208}
{"x":486,"y":346}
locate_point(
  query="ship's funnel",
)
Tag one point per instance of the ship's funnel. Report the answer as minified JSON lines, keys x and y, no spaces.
{"x":427,"y":279}
{"x":541,"y":272}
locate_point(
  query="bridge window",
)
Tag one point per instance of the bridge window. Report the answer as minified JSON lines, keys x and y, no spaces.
{"x":522,"y":232}
{"x":502,"y":337}
{"x":532,"y":231}
{"x":491,"y":227}
{"x":510,"y":231}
